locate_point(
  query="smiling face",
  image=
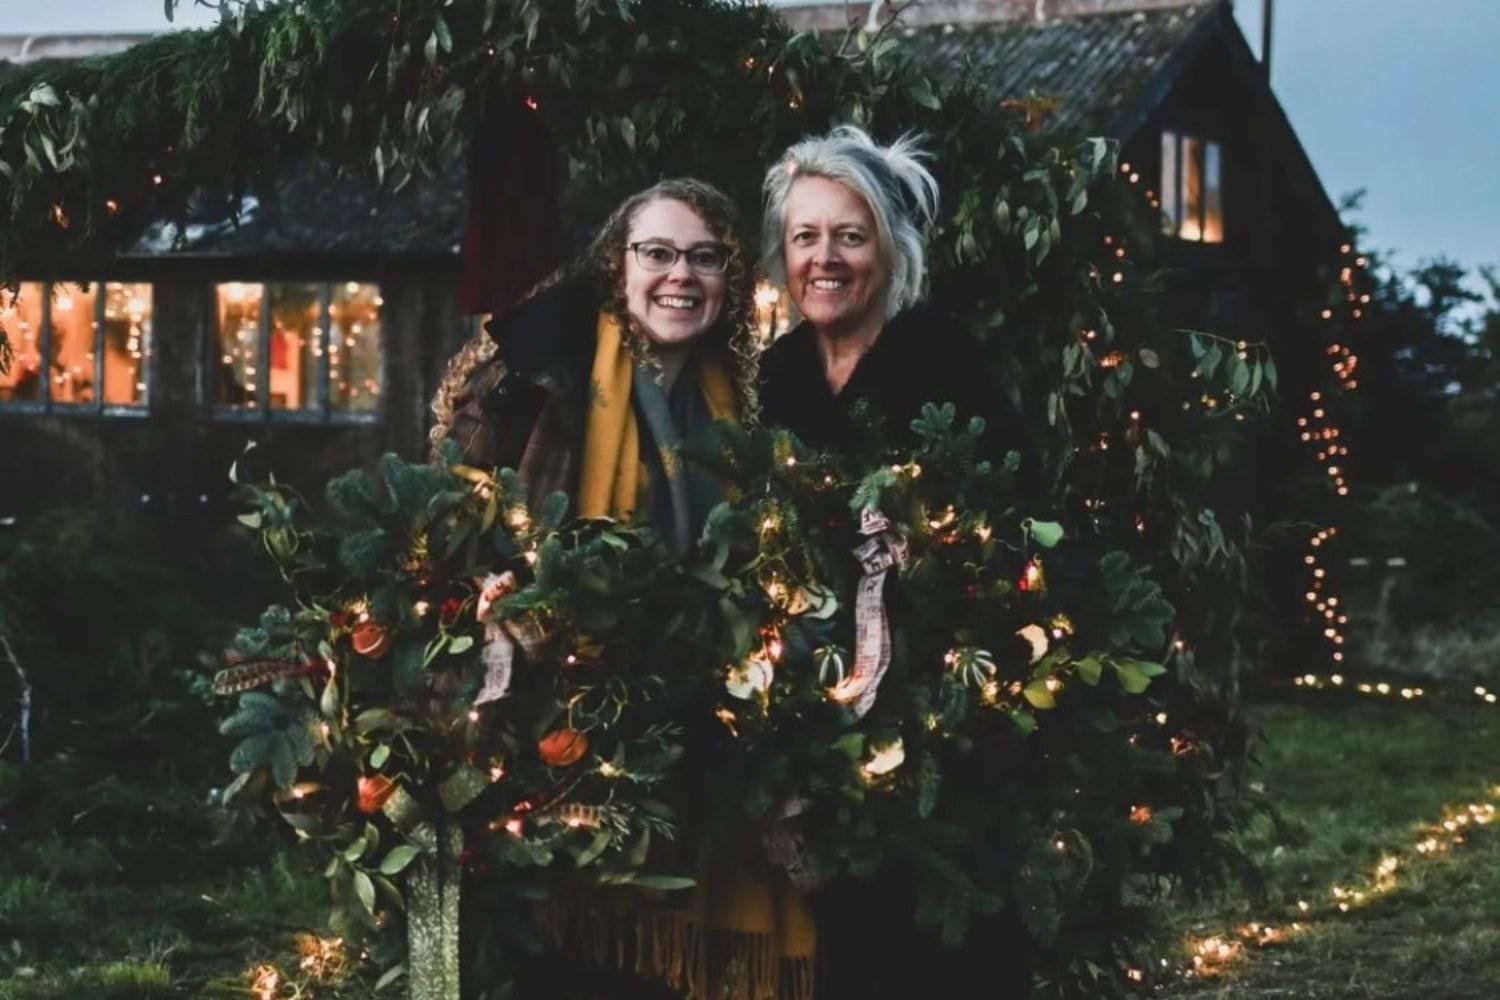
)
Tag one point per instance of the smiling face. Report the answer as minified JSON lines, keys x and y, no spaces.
{"x":835,"y":271}
{"x":673,"y":306}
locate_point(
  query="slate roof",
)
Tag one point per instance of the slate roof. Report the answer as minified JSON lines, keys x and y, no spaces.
{"x":1099,"y":65}
{"x":310,"y":208}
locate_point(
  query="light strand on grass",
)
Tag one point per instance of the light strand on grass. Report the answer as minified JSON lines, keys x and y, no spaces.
{"x":1211,"y":955}
{"x":1385,"y":689}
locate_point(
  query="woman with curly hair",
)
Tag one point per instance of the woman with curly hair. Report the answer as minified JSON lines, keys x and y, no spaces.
{"x":592,"y":384}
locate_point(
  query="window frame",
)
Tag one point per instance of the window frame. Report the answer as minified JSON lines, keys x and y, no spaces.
{"x":44,"y":403}
{"x":262,"y":412}
{"x":1175,"y":195}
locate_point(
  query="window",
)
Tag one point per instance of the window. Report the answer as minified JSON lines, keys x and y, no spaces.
{"x":78,"y":349}
{"x":298,"y":351}
{"x":1192,"y":191}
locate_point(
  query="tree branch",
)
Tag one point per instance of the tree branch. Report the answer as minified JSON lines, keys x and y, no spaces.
{"x":25,"y":724}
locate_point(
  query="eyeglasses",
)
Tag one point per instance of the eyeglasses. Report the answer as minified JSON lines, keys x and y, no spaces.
{"x":706,"y":258}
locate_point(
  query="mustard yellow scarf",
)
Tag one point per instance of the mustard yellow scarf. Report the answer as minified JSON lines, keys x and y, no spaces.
{"x":745,"y":933}
{"x":612,"y":477}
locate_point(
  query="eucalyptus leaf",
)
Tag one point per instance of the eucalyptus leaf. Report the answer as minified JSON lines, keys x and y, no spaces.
{"x":397,"y":859}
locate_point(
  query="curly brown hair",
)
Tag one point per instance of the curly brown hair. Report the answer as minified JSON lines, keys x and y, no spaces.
{"x":602,"y":267}
{"x":734,"y":332}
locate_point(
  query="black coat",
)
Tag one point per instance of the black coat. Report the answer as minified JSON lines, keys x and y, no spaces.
{"x":920,"y":357}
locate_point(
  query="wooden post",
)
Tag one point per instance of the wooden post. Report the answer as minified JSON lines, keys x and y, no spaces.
{"x":432,"y":896}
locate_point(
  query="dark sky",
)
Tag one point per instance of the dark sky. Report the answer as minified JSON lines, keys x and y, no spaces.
{"x":1400,"y":97}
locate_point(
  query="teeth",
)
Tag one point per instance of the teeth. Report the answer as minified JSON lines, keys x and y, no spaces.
{"x":829,"y":284}
{"x":676,"y":302}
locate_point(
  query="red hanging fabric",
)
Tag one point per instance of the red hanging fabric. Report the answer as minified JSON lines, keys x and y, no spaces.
{"x":513,"y":237}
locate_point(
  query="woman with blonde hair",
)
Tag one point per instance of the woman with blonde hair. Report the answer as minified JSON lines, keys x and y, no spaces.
{"x":845,"y":229}
{"x":846,"y":225}
{"x":592,"y":384}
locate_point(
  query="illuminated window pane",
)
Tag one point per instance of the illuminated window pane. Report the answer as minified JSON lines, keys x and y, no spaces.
{"x":73,"y":329}
{"x":21,"y":316}
{"x":127,"y":343}
{"x":294,"y":346}
{"x":1213,"y":199}
{"x":1170,"y":210}
{"x":237,"y":357}
{"x":1191,"y":227}
{"x":355,"y":350}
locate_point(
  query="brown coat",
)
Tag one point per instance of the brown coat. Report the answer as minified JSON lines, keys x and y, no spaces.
{"x":524,"y":408}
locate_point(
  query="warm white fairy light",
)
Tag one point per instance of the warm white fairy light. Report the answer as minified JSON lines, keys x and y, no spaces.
{"x":1212,"y":954}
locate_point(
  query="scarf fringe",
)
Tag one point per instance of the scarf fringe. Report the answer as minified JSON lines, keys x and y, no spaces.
{"x":674,"y":947}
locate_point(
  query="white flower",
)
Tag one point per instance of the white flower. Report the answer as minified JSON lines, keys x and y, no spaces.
{"x":1037,"y":636}
{"x":885,"y":759}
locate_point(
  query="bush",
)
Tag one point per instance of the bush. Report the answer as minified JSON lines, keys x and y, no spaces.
{"x":1433,"y":568}
{"x":107,"y":632}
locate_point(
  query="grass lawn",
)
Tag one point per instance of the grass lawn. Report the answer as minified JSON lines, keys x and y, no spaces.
{"x":113,"y":889}
{"x":116,"y":888}
{"x":1357,"y":781}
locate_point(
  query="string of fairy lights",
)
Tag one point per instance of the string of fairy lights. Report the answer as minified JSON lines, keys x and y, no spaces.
{"x":1317,"y":426}
{"x":1211,"y":955}
{"x":1385,"y":689}
{"x":1319,"y":430}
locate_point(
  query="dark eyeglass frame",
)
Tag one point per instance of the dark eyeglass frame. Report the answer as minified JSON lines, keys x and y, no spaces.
{"x":717,"y":267}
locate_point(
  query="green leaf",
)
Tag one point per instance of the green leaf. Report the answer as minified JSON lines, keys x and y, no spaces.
{"x":358,"y":845}
{"x":1002,"y":215}
{"x":851,"y":745}
{"x":596,"y":848}
{"x":554,"y":509}
{"x":430,"y":53}
{"x":461,"y":644}
{"x":1045,"y":533}
{"x":397,"y":859}
{"x":376,"y":719}
{"x":328,"y":704}
{"x":251,"y":520}
{"x":389,"y":976}
{"x":444,"y":36}
{"x":1239,"y":375}
{"x":1036,"y":692}
{"x":1212,"y":355}
{"x":1135,"y":675}
{"x":664,"y":882}
{"x":1090,"y":670}
{"x":920,"y":91}
{"x":379,"y":755}
{"x":365,"y":890}
{"x":1099,"y":151}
